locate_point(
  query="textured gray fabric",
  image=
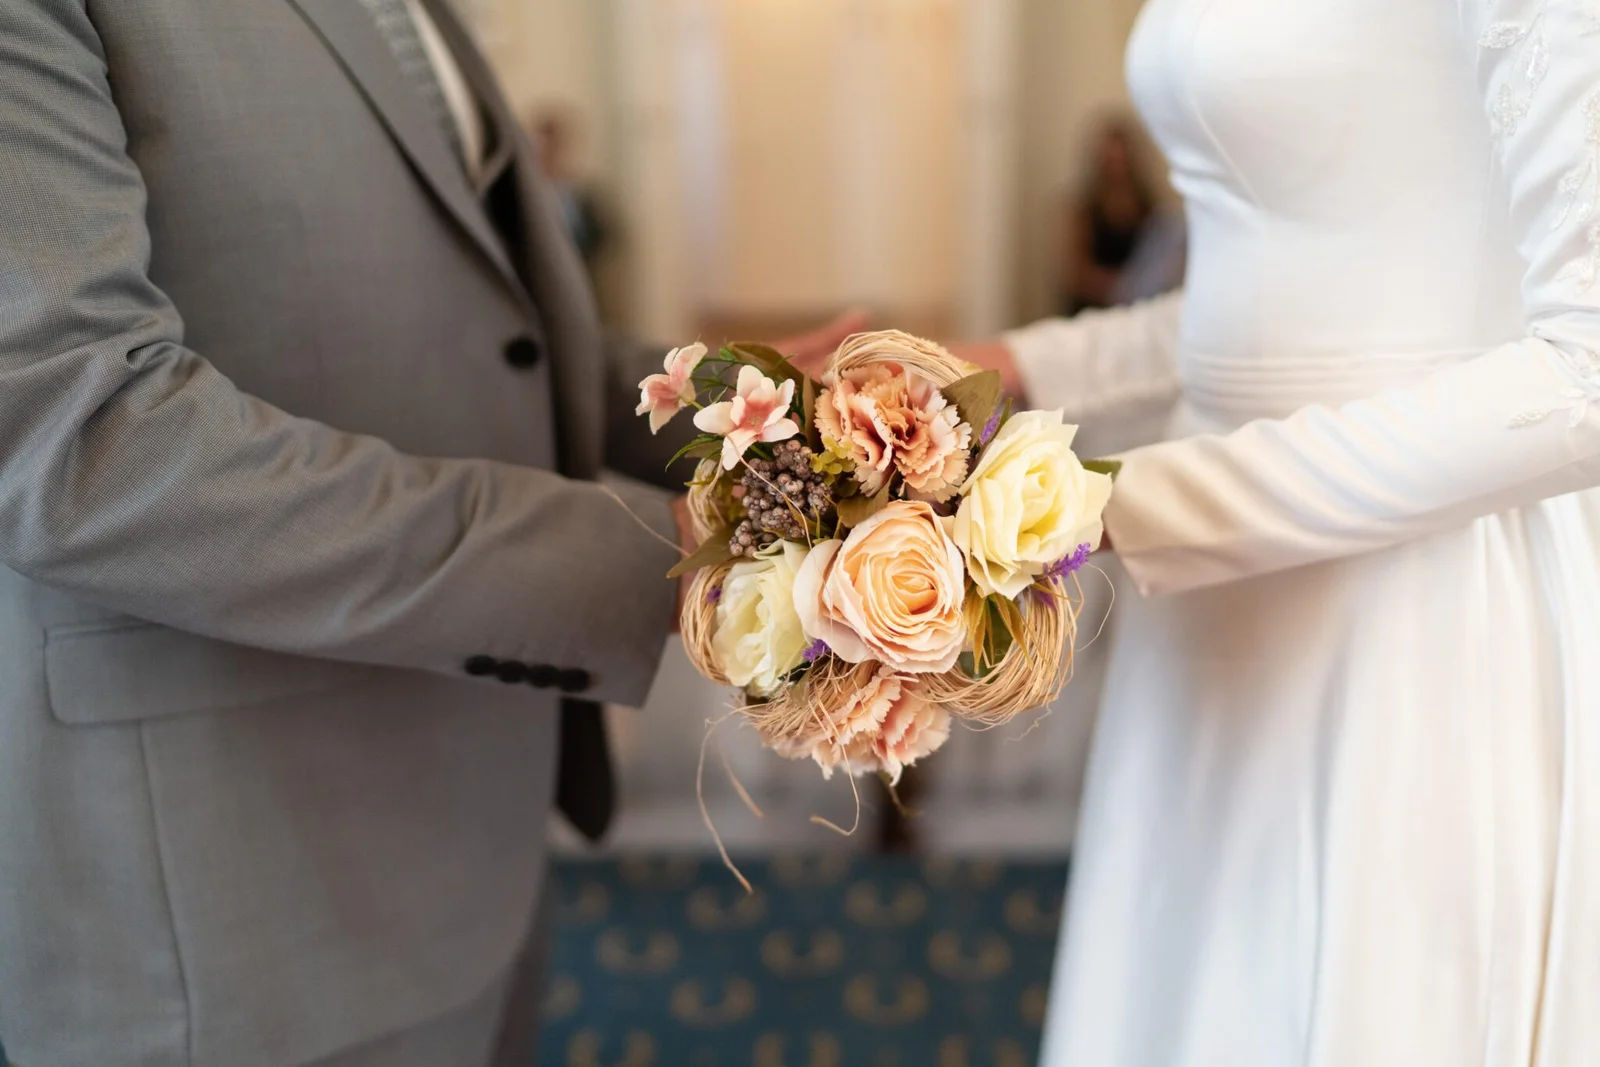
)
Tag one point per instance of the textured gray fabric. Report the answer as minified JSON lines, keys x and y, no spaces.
{"x":400,"y":33}
{"x":267,"y":481}
{"x":464,"y":1037}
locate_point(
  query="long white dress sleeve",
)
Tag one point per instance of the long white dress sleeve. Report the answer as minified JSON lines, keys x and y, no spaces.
{"x":1100,"y":363}
{"x":1514,"y":425}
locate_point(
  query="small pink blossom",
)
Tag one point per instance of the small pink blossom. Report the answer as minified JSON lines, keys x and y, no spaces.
{"x":757,"y":412}
{"x":664,"y":395}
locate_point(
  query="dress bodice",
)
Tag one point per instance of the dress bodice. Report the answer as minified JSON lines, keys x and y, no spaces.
{"x":1339,"y":178}
{"x":1391,"y":324}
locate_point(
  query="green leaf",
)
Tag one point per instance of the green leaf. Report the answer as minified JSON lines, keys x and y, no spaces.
{"x":712,"y":551}
{"x":703,"y":447}
{"x":1109,"y":467}
{"x":808,"y":410}
{"x":766,"y":359}
{"x":976,"y":397}
{"x":993,"y":632}
{"x":855,"y":510}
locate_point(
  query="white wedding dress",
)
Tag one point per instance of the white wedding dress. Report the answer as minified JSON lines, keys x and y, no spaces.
{"x":1343,"y":808}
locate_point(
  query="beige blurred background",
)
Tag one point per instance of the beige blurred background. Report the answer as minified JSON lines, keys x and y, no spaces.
{"x":759,"y":164}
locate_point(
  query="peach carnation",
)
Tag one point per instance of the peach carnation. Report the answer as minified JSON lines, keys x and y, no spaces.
{"x":885,"y":418}
{"x":881,"y":723}
{"x":913,"y":728}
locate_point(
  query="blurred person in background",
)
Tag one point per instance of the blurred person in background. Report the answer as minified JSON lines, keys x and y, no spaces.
{"x":556,"y":135}
{"x":1105,"y":221}
{"x":309,"y":596}
{"x":1157,"y":264}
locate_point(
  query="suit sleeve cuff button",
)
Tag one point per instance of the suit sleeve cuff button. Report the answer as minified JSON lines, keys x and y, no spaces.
{"x":573,"y":680}
{"x":512,"y":672}
{"x":481,"y":666}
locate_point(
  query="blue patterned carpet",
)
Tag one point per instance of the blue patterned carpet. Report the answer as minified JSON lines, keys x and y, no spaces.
{"x":834,"y":962}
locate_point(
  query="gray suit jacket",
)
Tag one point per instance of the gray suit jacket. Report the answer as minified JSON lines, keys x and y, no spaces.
{"x":281,"y":421}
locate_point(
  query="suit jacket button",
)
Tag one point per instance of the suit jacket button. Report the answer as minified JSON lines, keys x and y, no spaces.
{"x":543,"y":676}
{"x":511,"y":672}
{"x":573,"y":680}
{"x":481,"y":666}
{"x":523,"y":353}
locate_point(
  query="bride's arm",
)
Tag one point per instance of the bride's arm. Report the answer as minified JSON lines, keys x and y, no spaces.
{"x":1509,"y":428}
{"x":1094,"y":364}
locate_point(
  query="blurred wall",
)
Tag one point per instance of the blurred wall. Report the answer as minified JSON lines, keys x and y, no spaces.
{"x":555,"y":51}
{"x":978,"y":109}
{"x":1071,"y":73}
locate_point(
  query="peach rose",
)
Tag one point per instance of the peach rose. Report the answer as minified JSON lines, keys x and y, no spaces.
{"x":892,"y":591}
{"x":885,"y":418}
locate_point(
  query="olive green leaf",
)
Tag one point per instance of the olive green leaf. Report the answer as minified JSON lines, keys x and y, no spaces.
{"x":766,"y":359}
{"x":712,"y":551}
{"x":976,"y":397}
{"x":1109,"y":467}
{"x":703,"y":447}
{"x":855,"y":510}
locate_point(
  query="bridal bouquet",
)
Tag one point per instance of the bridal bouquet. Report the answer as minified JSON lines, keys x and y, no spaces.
{"x":881,"y":550}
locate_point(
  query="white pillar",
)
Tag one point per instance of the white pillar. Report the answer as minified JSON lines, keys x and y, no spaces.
{"x":647,"y":38}
{"x":993,"y":54}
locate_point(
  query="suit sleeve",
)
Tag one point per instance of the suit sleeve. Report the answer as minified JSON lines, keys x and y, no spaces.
{"x":136,"y":476}
{"x":1508,"y":428}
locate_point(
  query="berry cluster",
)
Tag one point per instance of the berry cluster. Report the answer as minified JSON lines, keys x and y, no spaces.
{"x":782,"y":496}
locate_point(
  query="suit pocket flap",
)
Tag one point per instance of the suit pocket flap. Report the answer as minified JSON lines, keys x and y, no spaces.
{"x":129,"y":670}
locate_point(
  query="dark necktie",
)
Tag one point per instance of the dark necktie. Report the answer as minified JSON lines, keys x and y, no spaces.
{"x":585,"y":784}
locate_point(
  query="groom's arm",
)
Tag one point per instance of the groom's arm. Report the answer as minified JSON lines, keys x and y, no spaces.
{"x":133,"y":474}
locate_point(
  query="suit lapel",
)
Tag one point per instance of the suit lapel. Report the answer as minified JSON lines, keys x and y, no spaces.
{"x":501,"y":126}
{"x":347,"y":30}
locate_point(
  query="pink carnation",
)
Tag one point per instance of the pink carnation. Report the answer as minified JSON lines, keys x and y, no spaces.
{"x":882,"y":723}
{"x":888,"y":419}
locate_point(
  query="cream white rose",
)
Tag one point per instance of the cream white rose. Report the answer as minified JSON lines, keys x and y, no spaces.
{"x":892,"y":591}
{"x":1027,"y":504}
{"x":758,"y":638}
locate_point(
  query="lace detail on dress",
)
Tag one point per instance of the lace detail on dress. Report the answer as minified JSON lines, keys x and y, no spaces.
{"x":1586,"y":365}
{"x":1579,"y":406}
{"x":1580,"y":192}
{"x":1528,"y":47}
{"x":1530,"y":52}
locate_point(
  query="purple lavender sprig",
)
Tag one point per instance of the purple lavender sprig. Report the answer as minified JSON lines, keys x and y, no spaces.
{"x":990,"y":428}
{"x":1068,"y":564}
{"x":815,"y":651}
{"x":714,"y":594}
